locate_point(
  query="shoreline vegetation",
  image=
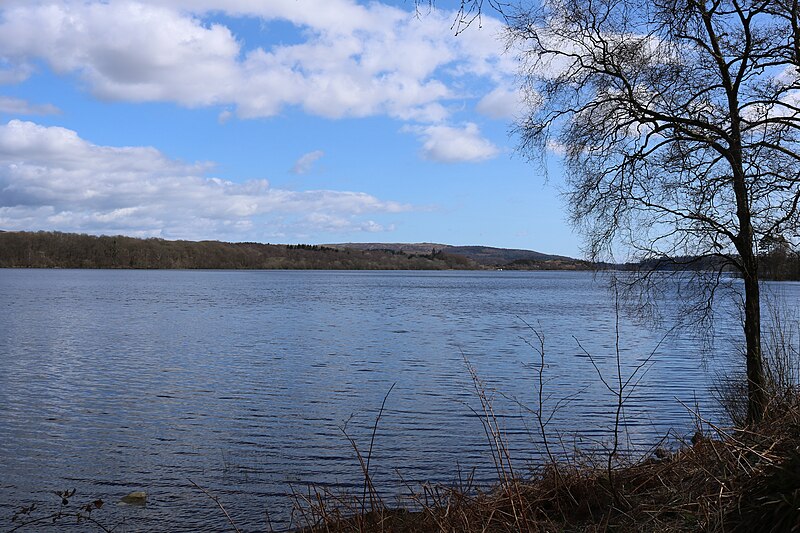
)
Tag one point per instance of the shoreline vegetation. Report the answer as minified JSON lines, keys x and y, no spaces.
{"x":69,"y":250}
{"x":737,"y":480}
{"x":739,"y":477}
{"x":52,"y":249}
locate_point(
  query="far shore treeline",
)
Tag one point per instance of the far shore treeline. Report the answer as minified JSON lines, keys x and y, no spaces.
{"x":52,"y":249}
{"x":49,"y":249}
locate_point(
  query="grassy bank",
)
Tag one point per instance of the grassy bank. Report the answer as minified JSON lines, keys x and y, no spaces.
{"x":739,"y":478}
{"x":726,"y":480}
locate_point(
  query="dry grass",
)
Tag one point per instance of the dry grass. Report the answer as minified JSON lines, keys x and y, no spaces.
{"x":743,"y":480}
{"x":731,"y":480}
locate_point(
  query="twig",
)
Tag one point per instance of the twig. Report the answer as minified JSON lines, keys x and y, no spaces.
{"x":222,"y":507}
{"x":57,"y":516}
{"x":372,"y":442}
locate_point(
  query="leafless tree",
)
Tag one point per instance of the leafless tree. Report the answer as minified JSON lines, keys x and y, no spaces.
{"x":679,"y":121}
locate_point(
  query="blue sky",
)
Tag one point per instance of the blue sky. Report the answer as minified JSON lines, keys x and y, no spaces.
{"x":267,"y":120}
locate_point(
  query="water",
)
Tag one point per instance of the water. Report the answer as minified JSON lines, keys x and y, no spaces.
{"x":244,"y":382}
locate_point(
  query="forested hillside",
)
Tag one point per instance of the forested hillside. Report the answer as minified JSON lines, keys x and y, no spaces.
{"x":69,"y":250}
{"x":483,"y":255}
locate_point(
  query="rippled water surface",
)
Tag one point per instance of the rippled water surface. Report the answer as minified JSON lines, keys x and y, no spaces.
{"x":114,"y":381}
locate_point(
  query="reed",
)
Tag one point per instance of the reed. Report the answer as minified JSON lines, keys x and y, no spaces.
{"x":737,"y":478}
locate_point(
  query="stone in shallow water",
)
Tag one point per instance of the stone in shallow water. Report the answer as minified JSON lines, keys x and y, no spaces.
{"x":135,"y":498}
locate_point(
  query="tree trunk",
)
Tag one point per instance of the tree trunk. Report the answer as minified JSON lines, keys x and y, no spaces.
{"x":756,"y":393}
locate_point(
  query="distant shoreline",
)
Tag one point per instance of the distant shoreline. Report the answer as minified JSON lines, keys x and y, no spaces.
{"x":50,"y":249}
{"x":80,"y":251}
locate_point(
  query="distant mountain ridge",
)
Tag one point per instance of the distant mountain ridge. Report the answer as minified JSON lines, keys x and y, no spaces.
{"x":483,"y":255}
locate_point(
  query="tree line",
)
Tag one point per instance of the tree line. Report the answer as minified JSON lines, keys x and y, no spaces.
{"x":51,"y":249}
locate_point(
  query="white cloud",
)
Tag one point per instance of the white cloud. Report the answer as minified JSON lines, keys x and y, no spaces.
{"x":356,"y":60}
{"x":556,"y":148}
{"x":16,"y":106}
{"x":502,"y":103}
{"x":337,"y":224}
{"x":51,"y":178}
{"x":224,"y":116}
{"x":306,"y":162}
{"x":446,"y":144}
{"x":125,"y":50}
{"x":14,"y":72}
{"x":352,"y":60}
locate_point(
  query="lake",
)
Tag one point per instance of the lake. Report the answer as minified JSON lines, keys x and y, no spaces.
{"x":243,"y":381}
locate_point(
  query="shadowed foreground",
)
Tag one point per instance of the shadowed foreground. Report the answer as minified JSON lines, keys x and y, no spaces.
{"x":740,"y":480}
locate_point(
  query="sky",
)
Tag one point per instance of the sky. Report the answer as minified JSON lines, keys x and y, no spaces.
{"x":282,"y":121}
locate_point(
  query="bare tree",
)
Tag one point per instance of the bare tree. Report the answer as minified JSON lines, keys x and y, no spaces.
{"x":679,"y":121}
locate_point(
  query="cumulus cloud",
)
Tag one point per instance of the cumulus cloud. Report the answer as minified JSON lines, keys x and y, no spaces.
{"x":352,"y":60}
{"x":446,"y":144}
{"x":502,"y":103}
{"x":52,"y":178}
{"x":356,"y":60}
{"x":306,"y":162}
{"x":16,"y":106}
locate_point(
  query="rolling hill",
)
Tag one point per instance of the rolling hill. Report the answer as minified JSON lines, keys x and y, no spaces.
{"x":483,"y":255}
{"x":68,"y":250}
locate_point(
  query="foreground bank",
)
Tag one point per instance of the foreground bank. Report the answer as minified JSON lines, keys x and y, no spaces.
{"x":736,"y":480}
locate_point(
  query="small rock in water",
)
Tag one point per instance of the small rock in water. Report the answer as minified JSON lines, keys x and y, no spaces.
{"x":135,"y":498}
